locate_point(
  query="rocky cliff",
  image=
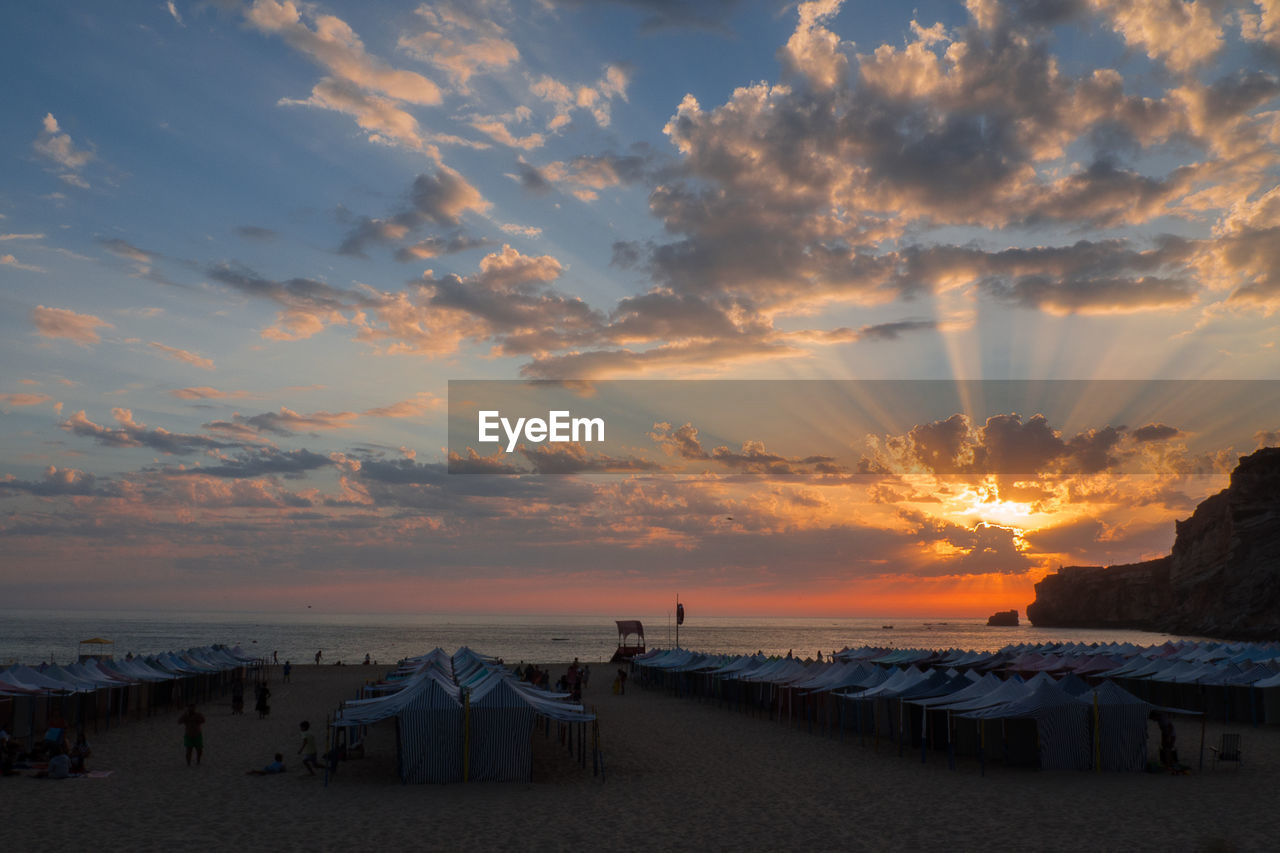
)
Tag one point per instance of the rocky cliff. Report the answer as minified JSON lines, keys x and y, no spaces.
{"x":1222,"y":579}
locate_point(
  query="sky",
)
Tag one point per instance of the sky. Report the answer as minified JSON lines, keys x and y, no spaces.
{"x":245,"y":247}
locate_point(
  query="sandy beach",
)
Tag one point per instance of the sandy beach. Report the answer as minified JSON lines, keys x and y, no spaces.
{"x":679,"y":775}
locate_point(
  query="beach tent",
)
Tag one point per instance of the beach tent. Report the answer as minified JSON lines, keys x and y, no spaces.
{"x":1120,"y":719}
{"x":428,"y":718}
{"x":499,"y":732}
{"x":1060,"y":738}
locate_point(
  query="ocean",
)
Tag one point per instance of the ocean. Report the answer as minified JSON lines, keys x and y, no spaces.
{"x":32,"y":636}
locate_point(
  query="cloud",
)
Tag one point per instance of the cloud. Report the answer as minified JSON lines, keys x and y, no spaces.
{"x":573,"y":458}
{"x":285,"y":422}
{"x":588,"y":174}
{"x":509,"y":301}
{"x":131,"y":433}
{"x":415,"y":407}
{"x":384,"y":118}
{"x":205,"y":392}
{"x":60,"y":482}
{"x":183,"y":356}
{"x":711,"y":15}
{"x":439,"y":200}
{"x":499,"y":132}
{"x":125,"y":249}
{"x":679,"y":441}
{"x":968,"y":164}
{"x":24,"y":399}
{"x":813,"y":51}
{"x":596,"y":99}
{"x":334,"y":46}
{"x":55,"y":145}
{"x":1006,"y":444}
{"x":1155,"y":432}
{"x":267,"y":461}
{"x":1180,"y":34}
{"x":255,"y":232}
{"x":174,"y":13}
{"x":474,"y":463}
{"x":6,"y":237}
{"x":358,"y":84}
{"x":13,"y":262}
{"x":460,"y":44}
{"x":434,"y":247}
{"x":61,"y":323}
{"x":827,"y":188}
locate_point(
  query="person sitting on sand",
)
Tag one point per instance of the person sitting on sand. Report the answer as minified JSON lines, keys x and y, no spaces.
{"x":59,"y":768}
{"x":271,"y":769}
{"x":79,"y":752}
{"x":308,"y":750}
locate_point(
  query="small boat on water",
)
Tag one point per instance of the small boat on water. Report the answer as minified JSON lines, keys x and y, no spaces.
{"x":886,"y":627}
{"x":559,"y":639}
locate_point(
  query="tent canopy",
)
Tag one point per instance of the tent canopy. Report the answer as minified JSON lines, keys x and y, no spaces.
{"x":627,"y":627}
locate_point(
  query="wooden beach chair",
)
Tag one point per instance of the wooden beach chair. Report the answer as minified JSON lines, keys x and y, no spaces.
{"x":1227,"y":750}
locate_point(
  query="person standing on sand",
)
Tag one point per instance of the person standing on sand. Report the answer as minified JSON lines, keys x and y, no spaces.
{"x":319,"y":654}
{"x":308,"y":750}
{"x":262,"y":693}
{"x":288,"y":668}
{"x":193,"y":733}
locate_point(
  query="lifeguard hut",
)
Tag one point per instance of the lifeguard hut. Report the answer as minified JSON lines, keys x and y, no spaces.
{"x":95,"y":648}
{"x":630,"y":640}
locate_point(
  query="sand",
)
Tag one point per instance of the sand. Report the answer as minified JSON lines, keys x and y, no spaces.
{"x":679,"y":775}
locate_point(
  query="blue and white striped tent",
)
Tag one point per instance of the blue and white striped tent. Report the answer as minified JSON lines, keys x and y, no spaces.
{"x":459,"y":718}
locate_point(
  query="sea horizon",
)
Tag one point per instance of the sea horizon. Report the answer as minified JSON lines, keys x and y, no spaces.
{"x":40,"y":635}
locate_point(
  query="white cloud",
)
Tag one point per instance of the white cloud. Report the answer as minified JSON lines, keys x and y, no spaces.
{"x":56,"y":145}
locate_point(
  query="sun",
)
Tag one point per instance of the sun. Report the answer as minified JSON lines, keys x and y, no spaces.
{"x":982,"y":503}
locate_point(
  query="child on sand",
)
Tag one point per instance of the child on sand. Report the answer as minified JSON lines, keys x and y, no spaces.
{"x":271,"y":769}
{"x":308,"y":750}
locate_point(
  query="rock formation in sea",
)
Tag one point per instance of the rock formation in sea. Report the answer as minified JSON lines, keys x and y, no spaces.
{"x":1222,"y":579}
{"x":1004,"y":618}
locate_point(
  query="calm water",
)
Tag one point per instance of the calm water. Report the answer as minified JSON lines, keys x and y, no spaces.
{"x":34,"y":636}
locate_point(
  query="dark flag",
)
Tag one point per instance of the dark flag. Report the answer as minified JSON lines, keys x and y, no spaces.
{"x":679,"y":614}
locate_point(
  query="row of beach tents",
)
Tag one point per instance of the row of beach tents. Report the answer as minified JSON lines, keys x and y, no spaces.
{"x":1054,"y":706}
{"x":461,"y":717}
{"x":105,"y":691}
